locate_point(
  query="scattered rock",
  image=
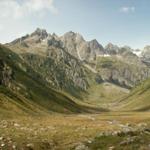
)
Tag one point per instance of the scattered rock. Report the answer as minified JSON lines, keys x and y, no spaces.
{"x":2,"y":145}
{"x":16,"y":125}
{"x":89,"y":141}
{"x":81,"y":146}
{"x":111,"y":148}
{"x":14,"y":147}
{"x":1,"y":138}
{"x":30,"y":146}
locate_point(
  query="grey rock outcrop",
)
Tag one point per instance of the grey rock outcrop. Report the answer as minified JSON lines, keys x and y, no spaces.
{"x":60,"y":69}
{"x":112,"y":49}
{"x":81,"y":49}
{"x":6,"y":74}
{"x":146,"y":55}
{"x":96,"y":49}
{"x":76,"y":45}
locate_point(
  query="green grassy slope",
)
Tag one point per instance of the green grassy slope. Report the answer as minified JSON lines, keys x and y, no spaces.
{"x":104,"y":95}
{"x":138,"y":99}
{"x":29,"y":87}
{"x":13,"y":105}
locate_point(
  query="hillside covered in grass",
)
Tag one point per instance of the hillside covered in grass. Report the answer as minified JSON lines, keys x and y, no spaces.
{"x":138,"y":99}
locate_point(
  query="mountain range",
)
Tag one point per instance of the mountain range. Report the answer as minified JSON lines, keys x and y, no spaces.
{"x":45,"y":73}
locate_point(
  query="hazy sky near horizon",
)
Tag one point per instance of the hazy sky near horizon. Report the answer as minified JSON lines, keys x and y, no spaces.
{"x":122,"y":22}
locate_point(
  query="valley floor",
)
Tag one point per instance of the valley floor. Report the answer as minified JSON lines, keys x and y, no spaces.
{"x":106,"y":131}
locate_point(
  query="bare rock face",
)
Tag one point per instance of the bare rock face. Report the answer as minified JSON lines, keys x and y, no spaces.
{"x":146,"y":55}
{"x":81,"y":49}
{"x":112,"y":49}
{"x":36,"y":37}
{"x":146,"y":52}
{"x":53,"y":58}
{"x":68,"y":69}
{"x":75,"y":45}
{"x":60,"y":69}
{"x":122,"y":67}
{"x":126,"y":75}
{"x":41,"y":33}
{"x":96,"y":47}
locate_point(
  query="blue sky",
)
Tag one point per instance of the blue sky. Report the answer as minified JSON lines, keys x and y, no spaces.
{"x":122,"y":22}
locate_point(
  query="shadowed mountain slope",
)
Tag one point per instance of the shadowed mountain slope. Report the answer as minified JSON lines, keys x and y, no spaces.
{"x":26,"y":89}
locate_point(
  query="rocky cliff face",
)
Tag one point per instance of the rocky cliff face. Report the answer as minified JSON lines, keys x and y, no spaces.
{"x":58,"y":67}
{"x":81,"y":49}
{"x":122,"y":73}
{"x":96,"y":49}
{"x":145,"y":56}
{"x":123,"y":67}
{"x":76,"y":45}
{"x":111,"y":49}
{"x":48,"y":56}
{"x":6,"y":74}
{"x":146,"y":52}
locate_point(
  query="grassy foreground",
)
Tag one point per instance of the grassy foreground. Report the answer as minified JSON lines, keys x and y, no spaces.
{"x":78,"y":132}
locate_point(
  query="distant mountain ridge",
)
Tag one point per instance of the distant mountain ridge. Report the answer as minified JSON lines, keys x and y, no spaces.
{"x":74,"y":43}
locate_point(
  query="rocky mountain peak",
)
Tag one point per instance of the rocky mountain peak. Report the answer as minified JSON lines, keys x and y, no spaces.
{"x":55,"y":35}
{"x":94,"y":44}
{"x":125,"y":50}
{"x":146,"y":50}
{"x":111,"y":49}
{"x":128,"y":48}
{"x":74,"y":36}
{"x":69,"y":34}
{"x":79,"y":38}
{"x":54,"y":41}
{"x":96,"y":47}
{"x":111,"y":46}
{"x":94,"y":41}
{"x":146,"y":55}
{"x":40,"y":32}
{"x":73,"y":43}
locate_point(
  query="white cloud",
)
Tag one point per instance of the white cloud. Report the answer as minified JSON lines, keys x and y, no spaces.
{"x":16,"y":9}
{"x":126,"y":9}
